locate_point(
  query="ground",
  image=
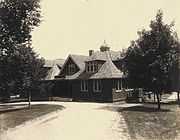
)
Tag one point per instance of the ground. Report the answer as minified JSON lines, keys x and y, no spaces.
{"x":78,"y":121}
{"x":95,"y":121}
{"x":12,"y":115}
{"x":145,"y":122}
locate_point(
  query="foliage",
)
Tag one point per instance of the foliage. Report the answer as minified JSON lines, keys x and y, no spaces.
{"x":20,"y":66}
{"x":150,"y":58}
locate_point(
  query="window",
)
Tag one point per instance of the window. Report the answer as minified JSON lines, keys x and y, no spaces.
{"x":84,"y":85}
{"x":71,"y":68}
{"x":95,"y":66}
{"x":118,"y":84}
{"x":97,"y":86}
{"x":88,"y":68}
{"x":92,"y":66}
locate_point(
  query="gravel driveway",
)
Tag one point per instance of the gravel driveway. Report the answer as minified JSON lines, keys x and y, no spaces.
{"x":78,"y":121}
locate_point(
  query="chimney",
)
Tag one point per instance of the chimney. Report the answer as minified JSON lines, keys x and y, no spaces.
{"x":91,"y":52}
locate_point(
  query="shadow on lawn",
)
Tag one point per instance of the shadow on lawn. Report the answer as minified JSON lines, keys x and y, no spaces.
{"x":144,"y":109}
{"x":19,"y":117}
{"x":148,"y":123}
{"x":136,"y":108}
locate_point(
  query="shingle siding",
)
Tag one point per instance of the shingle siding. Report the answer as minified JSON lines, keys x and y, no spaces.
{"x":69,"y":85}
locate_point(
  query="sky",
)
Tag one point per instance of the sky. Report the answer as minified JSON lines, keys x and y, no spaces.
{"x":76,"y":26}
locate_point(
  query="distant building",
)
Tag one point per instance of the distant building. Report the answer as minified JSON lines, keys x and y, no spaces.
{"x":46,"y":85}
{"x":97,"y":77}
{"x":53,"y":68}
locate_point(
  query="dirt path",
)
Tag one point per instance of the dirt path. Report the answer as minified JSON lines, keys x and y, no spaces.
{"x":79,"y":121}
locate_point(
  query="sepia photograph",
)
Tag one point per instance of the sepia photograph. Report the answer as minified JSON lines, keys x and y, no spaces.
{"x":89,"y":70}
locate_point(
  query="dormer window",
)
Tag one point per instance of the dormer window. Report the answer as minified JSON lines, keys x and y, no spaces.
{"x":92,"y":66}
{"x":71,"y":69}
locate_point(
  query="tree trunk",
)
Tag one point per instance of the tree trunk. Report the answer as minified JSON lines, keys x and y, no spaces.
{"x":29,"y":99}
{"x":178,"y":96}
{"x":160,"y":96}
{"x":154,"y":97}
{"x":158,"y":101}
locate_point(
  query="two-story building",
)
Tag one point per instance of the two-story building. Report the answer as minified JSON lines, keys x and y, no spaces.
{"x":97,"y":77}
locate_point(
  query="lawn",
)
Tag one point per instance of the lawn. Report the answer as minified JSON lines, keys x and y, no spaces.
{"x":145,"y":122}
{"x":18,"y":117}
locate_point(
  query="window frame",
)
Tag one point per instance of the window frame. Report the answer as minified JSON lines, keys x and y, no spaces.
{"x":84,"y":86}
{"x":71,"y":69}
{"x":118,"y":85}
{"x":97,"y":85}
{"x":92,"y":66}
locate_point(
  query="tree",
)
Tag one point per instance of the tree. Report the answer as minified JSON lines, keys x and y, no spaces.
{"x":175,"y":74}
{"x":150,"y":58}
{"x":18,"y":61}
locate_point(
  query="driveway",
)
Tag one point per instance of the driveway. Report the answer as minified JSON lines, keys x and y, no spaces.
{"x":78,"y":121}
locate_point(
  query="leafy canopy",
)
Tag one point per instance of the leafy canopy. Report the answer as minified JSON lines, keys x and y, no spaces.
{"x":18,"y":61}
{"x":150,"y":58}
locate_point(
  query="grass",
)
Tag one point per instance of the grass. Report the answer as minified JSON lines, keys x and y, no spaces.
{"x":18,"y":117}
{"x":145,"y":122}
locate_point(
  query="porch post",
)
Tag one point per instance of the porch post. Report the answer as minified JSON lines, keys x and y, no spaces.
{"x":121,"y":83}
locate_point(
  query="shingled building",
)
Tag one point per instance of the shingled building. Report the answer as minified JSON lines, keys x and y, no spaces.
{"x":97,"y":77}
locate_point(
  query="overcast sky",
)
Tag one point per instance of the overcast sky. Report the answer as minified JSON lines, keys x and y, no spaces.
{"x":75,"y":26}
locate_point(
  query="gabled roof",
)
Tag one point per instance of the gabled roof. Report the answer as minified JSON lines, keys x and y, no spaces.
{"x":74,"y":76}
{"x":54,"y":71}
{"x":59,"y":62}
{"x":85,"y":75}
{"x":99,"y":55}
{"x":55,"y":66}
{"x":79,"y":60}
{"x":108,"y":69}
{"x":51,"y":63}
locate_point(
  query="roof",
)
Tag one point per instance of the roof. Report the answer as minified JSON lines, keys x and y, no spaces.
{"x":79,"y":60}
{"x":51,"y":63}
{"x":108,"y":69}
{"x":55,"y":66}
{"x":59,"y":62}
{"x":54,"y":71}
{"x":74,"y":76}
{"x":85,"y":75}
{"x":98,"y":55}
